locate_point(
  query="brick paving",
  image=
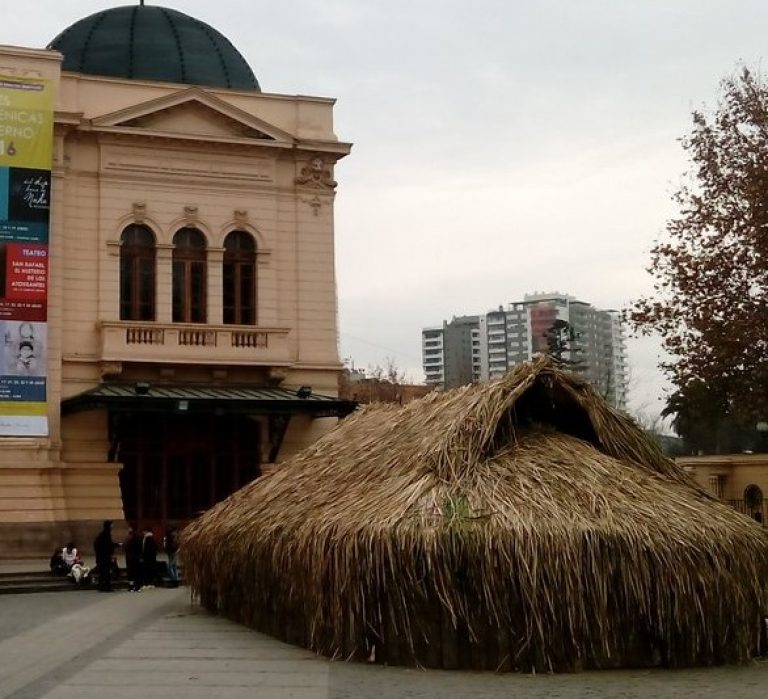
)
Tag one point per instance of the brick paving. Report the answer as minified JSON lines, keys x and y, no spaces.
{"x":155,"y":644}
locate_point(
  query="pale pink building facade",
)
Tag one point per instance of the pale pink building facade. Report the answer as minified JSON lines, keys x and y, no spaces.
{"x":192,"y":317}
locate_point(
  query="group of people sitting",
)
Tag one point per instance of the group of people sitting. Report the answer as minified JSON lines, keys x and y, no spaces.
{"x":68,"y":561}
{"x":141,"y":563}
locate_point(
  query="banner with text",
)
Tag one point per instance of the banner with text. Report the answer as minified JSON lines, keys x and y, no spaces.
{"x":26,"y":148}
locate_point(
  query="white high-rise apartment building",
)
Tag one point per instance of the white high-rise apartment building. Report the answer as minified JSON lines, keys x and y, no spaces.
{"x":451,"y":352}
{"x":433,"y":355}
{"x":477,"y":348}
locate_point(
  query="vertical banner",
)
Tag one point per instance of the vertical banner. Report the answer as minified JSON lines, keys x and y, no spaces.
{"x":26,"y":146}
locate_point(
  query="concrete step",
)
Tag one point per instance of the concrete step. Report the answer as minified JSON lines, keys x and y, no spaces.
{"x":36,"y":581}
{"x":15,"y":575}
{"x":24,"y":587}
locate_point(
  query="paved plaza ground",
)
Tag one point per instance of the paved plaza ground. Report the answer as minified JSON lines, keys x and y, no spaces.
{"x":155,"y":644}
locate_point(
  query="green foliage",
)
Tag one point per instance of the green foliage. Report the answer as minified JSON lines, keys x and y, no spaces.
{"x":702,"y":415}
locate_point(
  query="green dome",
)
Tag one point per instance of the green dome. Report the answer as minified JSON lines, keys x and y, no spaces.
{"x":153,"y":43}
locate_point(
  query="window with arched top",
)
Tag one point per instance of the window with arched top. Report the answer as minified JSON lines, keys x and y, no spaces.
{"x":753,"y":496}
{"x":137,"y":273}
{"x":753,"y":499}
{"x":189,"y":280}
{"x":239,"y":279}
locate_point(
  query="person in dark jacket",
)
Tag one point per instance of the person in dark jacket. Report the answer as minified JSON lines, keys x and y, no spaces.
{"x":132,"y":549}
{"x":171,"y":545}
{"x":104,"y":548}
{"x":148,"y":559}
{"x":57,"y":565}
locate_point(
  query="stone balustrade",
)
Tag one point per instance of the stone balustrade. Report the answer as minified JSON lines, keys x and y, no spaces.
{"x":192,"y":343}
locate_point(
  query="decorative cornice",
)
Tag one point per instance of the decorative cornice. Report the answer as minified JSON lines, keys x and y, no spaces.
{"x":37,"y":54}
{"x":62,"y":118}
{"x":225,"y":92}
{"x":306,"y":366}
{"x":134,"y":134}
{"x":333,"y":150}
{"x":329,"y":148}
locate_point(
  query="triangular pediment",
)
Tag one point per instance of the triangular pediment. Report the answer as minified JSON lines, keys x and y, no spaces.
{"x":195,"y":119}
{"x":192,"y":112}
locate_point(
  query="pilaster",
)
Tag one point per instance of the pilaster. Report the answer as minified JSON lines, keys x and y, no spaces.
{"x":215,"y":264}
{"x":164,"y":283}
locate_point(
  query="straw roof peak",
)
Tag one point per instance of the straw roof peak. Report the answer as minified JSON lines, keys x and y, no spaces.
{"x":450,"y":431}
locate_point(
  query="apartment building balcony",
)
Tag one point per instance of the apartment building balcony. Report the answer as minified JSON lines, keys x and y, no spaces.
{"x":131,"y":341}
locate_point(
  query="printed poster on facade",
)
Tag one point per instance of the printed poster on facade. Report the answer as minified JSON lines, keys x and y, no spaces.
{"x":26,"y":147}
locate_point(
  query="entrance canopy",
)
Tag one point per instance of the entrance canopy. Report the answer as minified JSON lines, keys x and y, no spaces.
{"x":144,"y":397}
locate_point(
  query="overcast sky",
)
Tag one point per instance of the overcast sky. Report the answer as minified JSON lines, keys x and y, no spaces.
{"x":501,"y":147}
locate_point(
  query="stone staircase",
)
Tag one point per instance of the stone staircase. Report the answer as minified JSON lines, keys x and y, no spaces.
{"x":41,"y":581}
{"x":32,"y":575}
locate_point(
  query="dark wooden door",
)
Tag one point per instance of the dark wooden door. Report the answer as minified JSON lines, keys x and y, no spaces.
{"x":176,"y":467}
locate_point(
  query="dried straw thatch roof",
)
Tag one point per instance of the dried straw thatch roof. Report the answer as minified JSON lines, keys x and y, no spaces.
{"x":517,"y":524}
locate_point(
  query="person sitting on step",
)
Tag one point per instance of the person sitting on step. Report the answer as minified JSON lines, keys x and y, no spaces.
{"x":73,"y":563}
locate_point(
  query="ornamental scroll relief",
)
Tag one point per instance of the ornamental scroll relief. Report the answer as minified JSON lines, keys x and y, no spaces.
{"x":316,"y":203}
{"x":316,"y":174}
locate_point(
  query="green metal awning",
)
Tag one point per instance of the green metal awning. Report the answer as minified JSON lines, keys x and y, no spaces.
{"x":144,"y":397}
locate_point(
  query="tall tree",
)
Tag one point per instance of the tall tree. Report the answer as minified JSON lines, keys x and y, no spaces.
{"x":702,"y":416}
{"x":711,"y":274}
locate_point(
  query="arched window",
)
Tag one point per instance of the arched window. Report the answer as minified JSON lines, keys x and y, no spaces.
{"x":137,"y":273}
{"x":239,"y":279}
{"x":753,"y":499}
{"x":753,"y":496}
{"x":189,"y":283}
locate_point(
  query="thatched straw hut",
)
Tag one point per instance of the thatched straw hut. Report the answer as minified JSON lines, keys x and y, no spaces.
{"x":517,"y":524}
